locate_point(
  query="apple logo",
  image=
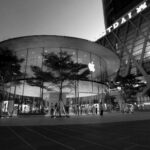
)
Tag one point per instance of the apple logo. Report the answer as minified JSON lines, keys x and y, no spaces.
{"x":91,"y":66}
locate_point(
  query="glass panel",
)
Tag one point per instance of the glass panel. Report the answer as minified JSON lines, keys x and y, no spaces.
{"x":26,"y":90}
{"x":50,"y":50}
{"x":85,"y":86}
{"x":31,"y":91}
{"x":95,"y":88}
{"x":19,"y":89}
{"x":34,"y":59}
{"x":22,"y":54}
{"x":96,"y":67}
{"x":71,"y":52}
{"x":83,"y":57}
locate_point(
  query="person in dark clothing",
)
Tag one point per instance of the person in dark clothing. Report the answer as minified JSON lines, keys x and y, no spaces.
{"x":101,"y":109}
{"x":67,"y":110}
{"x":96,"y":110}
{"x":52,"y":110}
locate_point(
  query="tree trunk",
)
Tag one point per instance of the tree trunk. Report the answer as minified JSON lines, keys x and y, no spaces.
{"x":0,"y":109}
{"x":61,"y":104}
{"x":14,"y":96}
{"x":42,"y":101}
{"x":2,"y":94}
{"x":3,"y":97}
{"x":60,"y":99}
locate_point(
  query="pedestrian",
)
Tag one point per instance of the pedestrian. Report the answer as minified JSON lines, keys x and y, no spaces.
{"x":67,"y":110}
{"x":52,"y":110}
{"x":101,"y":109}
{"x":131,"y":109}
{"x":96,"y":109}
{"x":55,"y":110}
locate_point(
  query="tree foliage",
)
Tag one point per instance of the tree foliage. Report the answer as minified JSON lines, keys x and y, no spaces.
{"x":130,"y":85}
{"x":10,"y":68}
{"x":59,"y":70}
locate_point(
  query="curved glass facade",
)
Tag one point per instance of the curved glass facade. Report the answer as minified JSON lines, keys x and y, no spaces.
{"x":84,"y":92}
{"x":33,"y":57}
{"x":101,"y":62}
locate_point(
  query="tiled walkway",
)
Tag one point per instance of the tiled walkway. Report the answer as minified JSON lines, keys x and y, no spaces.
{"x":114,"y":131}
{"x":88,"y":119}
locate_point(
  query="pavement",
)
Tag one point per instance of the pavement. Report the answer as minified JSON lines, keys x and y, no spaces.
{"x":85,"y":119}
{"x":113,"y":131}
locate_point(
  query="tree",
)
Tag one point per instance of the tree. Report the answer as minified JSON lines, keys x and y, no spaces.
{"x":130,"y":85}
{"x":10,"y":70}
{"x":58,"y":70}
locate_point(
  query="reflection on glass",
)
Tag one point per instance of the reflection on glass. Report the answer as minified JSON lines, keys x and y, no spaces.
{"x":83,"y":92}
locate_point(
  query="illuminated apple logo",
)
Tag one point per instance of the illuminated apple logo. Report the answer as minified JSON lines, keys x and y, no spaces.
{"x":91,"y":66}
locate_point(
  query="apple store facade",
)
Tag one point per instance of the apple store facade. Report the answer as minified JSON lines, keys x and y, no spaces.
{"x":103,"y":65}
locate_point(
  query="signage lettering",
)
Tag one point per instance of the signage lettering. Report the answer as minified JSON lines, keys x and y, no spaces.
{"x":109,"y":29}
{"x":126,"y":17}
{"x":123,"y":20}
{"x":130,"y":15}
{"x":115,"y":25}
{"x":141,"y":7}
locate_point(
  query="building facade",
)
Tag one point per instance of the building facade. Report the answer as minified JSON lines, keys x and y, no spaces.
{"x":114,"y":9}
{"x":129,"y":37}
{"x":102,"y":63}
